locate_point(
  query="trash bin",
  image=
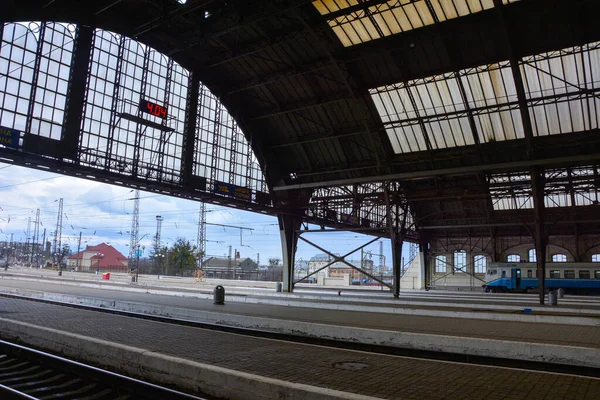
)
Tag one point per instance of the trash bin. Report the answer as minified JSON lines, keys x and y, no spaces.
{"x":561,"y":293}
{"x":279,"y":286}
{"x":219,"y":295}
{"x":552,"y":298}
{"x":106,"y":276}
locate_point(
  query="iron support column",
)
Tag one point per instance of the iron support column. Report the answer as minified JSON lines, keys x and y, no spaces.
{"x":537,"y":182}
{"x":288,"y":225}
{"x":397,"y":242}
{"x":423,"y":261}
{"x":189,"y":134}
{"x":396,"y":228}
{"x":78,"y":82}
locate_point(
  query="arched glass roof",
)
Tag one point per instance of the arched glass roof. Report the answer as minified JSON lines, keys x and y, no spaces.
{"x":116,"y":134}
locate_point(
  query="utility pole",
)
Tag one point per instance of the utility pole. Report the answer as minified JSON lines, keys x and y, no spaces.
{"x":58,"y":237}
{"x":235,"y":257}
{"x":362,"y":257}
{"x":27,"y":237}
{"x":229,"y":257}
{"x":44,"y":245}
{"x":135,"y":229}
{"x":201,"y":237}
{"x":78,"y":250}
{"x":159,"y":220}
{"x":258,"y":259}
{"x":36,"y":234}
{"x":381,"y":258}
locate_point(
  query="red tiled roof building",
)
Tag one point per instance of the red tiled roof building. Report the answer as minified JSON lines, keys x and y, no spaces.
{"x":99,"y":257}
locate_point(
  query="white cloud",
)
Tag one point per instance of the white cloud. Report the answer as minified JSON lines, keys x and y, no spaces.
{"x":102,"y":213}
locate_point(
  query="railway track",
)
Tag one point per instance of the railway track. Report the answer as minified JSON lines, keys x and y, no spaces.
{"x":366,"y":347}
{"x":31,"y":374}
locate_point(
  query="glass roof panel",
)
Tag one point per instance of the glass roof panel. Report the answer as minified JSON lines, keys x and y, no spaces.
{"x":562,"y":88}
{"x":437,"y":106}
{"x":362,"y":22}
{"x":564,"y":187}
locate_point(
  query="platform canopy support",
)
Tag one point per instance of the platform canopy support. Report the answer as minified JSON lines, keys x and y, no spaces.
{"x":541,"y":239}
{"x":288,"y":225}
{"x":397,"y":220}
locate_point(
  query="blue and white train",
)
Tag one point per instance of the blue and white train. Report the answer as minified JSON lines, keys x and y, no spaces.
{"x":522,"y":277}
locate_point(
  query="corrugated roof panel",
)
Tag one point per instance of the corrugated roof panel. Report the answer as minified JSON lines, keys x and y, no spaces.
{"x":393,"y":103}
{"x":449,"y":133}
{"x":557,"y":200}
{"x":489,"y":85}
{"x":439,"y":96}
{"x":329,"y":6}
{"x":394,"y":16}
{"x":499,"y":126}
{"x":559,"y":86}
{"x":406,"y":139}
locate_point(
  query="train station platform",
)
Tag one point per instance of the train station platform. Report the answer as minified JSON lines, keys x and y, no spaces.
{"x":235,"y":366}
{"x":448,"y":322}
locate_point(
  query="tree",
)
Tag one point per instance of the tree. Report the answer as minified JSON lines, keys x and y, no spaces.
{"x":273,"y":262}
{"x":66,"y":250}
{"x":158,"y":257}
{"x":182,"y":257}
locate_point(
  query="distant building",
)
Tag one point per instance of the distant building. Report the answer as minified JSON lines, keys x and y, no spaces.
{"x":319,"y":261}
{"x":101,"y":257}
{"x":340,"y":269}
{"x":245,"y":264}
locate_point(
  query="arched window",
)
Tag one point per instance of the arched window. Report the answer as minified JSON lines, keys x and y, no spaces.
{"x":513,"y":258}
{"x":559,"y":258}
{"x":440,"y":264}
{"x":596,"y":258}
{"x":532,"y":256}
{"x":460,"y":262}
{"x":480,"y":263}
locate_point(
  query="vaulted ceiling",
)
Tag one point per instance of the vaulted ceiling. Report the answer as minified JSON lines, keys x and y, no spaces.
{"x":452,"y":98}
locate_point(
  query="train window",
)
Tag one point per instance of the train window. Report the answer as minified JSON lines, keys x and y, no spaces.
{"x":584,"y":274}
{"x":555,"y":273}
{"x":569,"y":274}
{"x":492,"y":272}
{"x":596,"y":274}
{"x":529,"y":273}
{"x":504,"y":274}
{"x":536,"y":274}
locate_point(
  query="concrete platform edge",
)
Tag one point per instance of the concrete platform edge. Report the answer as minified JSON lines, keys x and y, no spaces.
{"x":581,"y":320}
{"x":185,"y":374}
{"x":543,"y":352}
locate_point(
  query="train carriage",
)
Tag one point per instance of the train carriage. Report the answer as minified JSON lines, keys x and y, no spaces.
{"x":523,"y":277}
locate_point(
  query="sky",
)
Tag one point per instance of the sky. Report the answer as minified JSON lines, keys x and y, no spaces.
{"x":103,"y":213}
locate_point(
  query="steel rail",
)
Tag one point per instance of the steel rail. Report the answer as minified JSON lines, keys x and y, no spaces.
{"x":27,"y":373}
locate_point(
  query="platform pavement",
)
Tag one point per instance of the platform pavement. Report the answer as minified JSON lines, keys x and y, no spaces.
{"x":306,"y":291}
{"x":239,"y":367}
{"x":575,"y":312}
{"x":566,"y":344}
